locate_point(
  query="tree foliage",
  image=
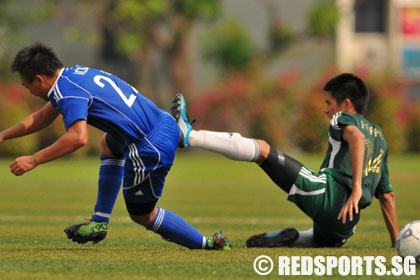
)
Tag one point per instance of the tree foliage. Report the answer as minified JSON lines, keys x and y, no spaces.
{"x":322,"y":18}
{"x":13,"y":21}
{"x":10,"y":24}
{"x":154,"y":37}
{"x":228,"y":46}
{"x":14,"y":108}
{"x":145,"y":28}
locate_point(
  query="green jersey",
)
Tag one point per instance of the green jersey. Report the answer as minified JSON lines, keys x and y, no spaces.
{"x":337,"y":161}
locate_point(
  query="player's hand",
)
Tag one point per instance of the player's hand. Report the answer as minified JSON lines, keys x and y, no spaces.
{"x":351,"y":205}
{"x":22,"y":165}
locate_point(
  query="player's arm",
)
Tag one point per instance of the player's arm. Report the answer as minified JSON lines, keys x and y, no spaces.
{"x":356,"y":141}
{"x":32,"y":123}
{"x":75,"y":137}
{"x":389,"y":211}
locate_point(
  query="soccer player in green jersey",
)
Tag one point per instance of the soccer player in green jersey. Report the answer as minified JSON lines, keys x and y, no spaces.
{"x":354,"y":170}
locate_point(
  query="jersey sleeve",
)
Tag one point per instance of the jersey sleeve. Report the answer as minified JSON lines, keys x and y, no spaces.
{"x":71,"y":100}
{"x":384,"y":186}
{"x":73,"y":109}
{"x":338,"y":121}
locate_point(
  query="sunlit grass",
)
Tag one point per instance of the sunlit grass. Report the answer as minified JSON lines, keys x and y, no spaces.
{"x":208,"y":191}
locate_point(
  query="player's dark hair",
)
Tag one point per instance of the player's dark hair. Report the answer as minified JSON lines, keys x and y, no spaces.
{"x":36,"y":59}
{"x":349,"y":86}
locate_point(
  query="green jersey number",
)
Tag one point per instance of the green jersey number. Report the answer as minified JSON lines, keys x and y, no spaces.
{"x":372,"y":164}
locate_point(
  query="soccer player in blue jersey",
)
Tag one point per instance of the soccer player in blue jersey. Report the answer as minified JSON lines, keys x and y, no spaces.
{"x":354,"y":170}
{"x":138,"y":147}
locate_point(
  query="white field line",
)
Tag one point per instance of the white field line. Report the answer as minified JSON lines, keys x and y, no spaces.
{"x":195,"y":220}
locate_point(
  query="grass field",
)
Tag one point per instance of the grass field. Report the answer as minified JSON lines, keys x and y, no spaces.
{"x":210,"y":192}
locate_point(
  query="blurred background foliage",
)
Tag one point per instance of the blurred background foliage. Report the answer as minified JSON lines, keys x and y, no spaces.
{"x":322,"y":18}
{"x":153,"y":45}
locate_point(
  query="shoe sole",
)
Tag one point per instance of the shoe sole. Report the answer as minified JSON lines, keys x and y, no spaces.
{"x":95,"y":237}
{"x":178,"y":103}
{"x":284,"y":238}
{"x":175,"y":110}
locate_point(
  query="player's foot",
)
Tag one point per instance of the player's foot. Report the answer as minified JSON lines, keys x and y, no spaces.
{"x":179,"y":112}
{"x":282,"y":238}
{"x":218,"y":241}
{"x":88,"y":231}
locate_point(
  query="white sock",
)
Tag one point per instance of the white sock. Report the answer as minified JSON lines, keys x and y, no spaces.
{"x":231,"y":145}
{"x":305,"y":240}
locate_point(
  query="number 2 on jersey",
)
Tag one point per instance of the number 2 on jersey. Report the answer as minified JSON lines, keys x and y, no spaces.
{"x":129,"y":101}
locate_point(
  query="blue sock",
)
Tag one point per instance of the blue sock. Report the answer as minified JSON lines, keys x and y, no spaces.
{"x":111,"y":174}
{"x":173,"y":228}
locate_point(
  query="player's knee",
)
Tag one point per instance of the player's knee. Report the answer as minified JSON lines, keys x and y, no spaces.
{"x":110,"y":147}
{"x":104,"y":148}
{"x":264,"y":150}
{"x":145,"y":219}
{"x":138,"y":219}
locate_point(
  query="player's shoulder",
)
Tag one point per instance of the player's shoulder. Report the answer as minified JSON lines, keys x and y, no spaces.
{"x":85,"y":75}
{"x":79,"y":71}
{"x":343,"y":118}
{"x":71,"y":84}
{"x":77,"y":76}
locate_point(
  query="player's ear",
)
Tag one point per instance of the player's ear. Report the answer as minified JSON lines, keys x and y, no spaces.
{"x":42,"y":81}
{"x":346,"y":105}
{"x":39,"y":78}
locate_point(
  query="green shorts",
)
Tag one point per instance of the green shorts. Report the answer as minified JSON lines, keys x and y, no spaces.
{"x":322,"y":198}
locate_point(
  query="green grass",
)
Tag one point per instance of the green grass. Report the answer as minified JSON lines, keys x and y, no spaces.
{"x":210,"y":192}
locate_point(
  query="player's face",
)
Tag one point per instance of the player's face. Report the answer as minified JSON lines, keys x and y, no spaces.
{"x":35,"y":87}
{"x":331,"y":105}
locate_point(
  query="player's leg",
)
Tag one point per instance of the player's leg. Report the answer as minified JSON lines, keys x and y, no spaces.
{"x":330,"y":234}
{"x":334,"y":233}
{"x":281,"y":168}
{"x":143,"y":187}
{"x":309,"y":192}
{"x":111,"y":172}
{"x":231,"y":145}
{"x":174,"y":228}
{"x":141,"y":200}
{"x":328,"y":231}
{"x":287,"y":237}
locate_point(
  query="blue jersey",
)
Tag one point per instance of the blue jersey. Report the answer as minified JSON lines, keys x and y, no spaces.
{"x":105,"y":102}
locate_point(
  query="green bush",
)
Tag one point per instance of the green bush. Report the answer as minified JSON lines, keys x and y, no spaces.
{"x":13,"y":109}
{"x":278,"y":109}
{"x":228,"y":46}
{"x":15,"y":106}
{"x":322,"y":18}
{"x":282,"y":112}
{"x":253,"y":105}
{"x":387,"y":108}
